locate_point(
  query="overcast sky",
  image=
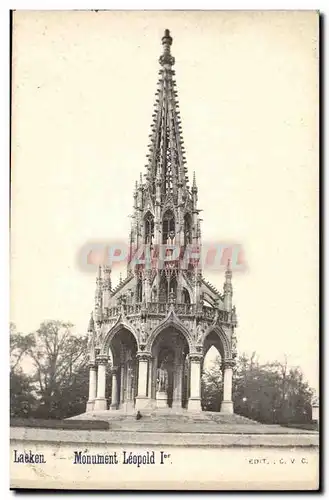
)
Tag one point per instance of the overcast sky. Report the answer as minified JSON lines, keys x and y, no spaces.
{"x":83,"y":94}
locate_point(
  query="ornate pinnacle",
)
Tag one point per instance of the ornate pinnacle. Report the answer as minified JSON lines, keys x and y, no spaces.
{"x":228,"y":289}
{"x":166,"y":59}
{"x":99,"y":283}
{"x":166,"y":40}
{"x":107,"y":285}
{"x":194,"y":187}
{"x":234,"y":317}
{"x":91,"y":323}
{"x":228,"y":272}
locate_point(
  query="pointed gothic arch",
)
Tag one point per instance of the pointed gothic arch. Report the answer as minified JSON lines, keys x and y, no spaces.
{"x":168,"y":225}
{"x":139,"y":291}
{"x":117,"y":330}
{"x":173,"y":322}
{"x":163,"y":289}
{"x":212,"y":357}
{"x":173,"y":284}
{"x":167,"y":284}
{"x":148,"y":228}
{"x":186,"y":296}
{"x":216,"y":336}
{"x":187,"y":229}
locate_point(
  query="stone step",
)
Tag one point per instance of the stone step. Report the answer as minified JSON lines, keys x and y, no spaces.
{"x":183,"y":422}
{"x":176,"y":420}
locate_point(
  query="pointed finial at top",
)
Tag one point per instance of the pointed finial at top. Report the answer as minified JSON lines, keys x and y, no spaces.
{"x":166,"y":59}
{"x":166,"y":40}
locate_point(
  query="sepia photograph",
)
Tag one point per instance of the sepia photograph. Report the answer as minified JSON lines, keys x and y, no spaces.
{"x":164,"y":250}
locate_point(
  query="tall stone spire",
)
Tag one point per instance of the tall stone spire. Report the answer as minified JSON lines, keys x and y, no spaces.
{"x":165,"y":208}
{"x":166,"y":152}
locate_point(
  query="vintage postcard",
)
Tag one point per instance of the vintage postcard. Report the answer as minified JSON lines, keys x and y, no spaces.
{"x":164,"y":250}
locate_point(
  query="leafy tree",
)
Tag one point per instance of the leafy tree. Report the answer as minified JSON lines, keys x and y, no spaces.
{"x":22,"y":398}
{"x":269,"y":393}
{"x":19,"y":345}
{"x":59,"y":361}
{"x":57,"y":381}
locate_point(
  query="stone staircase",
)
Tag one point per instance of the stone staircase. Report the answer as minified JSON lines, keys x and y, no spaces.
{"x":176,"y":421}
{"x":183,"y":422}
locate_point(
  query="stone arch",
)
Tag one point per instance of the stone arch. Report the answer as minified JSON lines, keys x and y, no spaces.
{"x":186,"y":296}
{"x":148,"y":210}
{"x":187,"y":228}
{"x":186,"y":284}
{"x":174,"y":322}
{"x":120,"y":325}
{"x":148,"y":221}
{"x":168,"y":224}
{"x":225,"y":348}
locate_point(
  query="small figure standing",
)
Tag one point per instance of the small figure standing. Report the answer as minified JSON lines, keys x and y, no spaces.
{"x":139,"y":415}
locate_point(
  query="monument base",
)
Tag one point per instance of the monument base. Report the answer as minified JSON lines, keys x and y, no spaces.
{"x":142,"y":403}
{"x":100,"y":404}
{"x":194,"y":404}
{"x":90,"y":405}
{"x":227,"y":407}
{"x":177,"y":404}
{"x":161,"y":399}
{"x":128,"y":407}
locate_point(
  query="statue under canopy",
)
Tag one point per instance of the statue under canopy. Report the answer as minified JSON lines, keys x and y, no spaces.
{"x":162,"y":379}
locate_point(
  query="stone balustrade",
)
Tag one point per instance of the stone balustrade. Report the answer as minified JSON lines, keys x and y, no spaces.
{"x":162,"y":308}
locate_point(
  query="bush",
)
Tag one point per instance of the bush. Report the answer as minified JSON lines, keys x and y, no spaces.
{"x":59,"y":424}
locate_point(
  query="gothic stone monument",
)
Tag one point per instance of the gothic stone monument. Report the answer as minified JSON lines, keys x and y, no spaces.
{"x":157,"y":325}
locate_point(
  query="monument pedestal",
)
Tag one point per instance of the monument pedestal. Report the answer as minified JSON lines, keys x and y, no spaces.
{"x":142,"y":403}
{"x":194,"y":404}
{"x":227,"y":407}
{"x":100,"y":404}
{"x":161,"y":399}
{"x":90,"y":405}
{"x":128,"y":407}
{"x":177,"y":404}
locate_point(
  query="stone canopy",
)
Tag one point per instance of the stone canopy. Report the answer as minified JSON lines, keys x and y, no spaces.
{"x":157,"y":324}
